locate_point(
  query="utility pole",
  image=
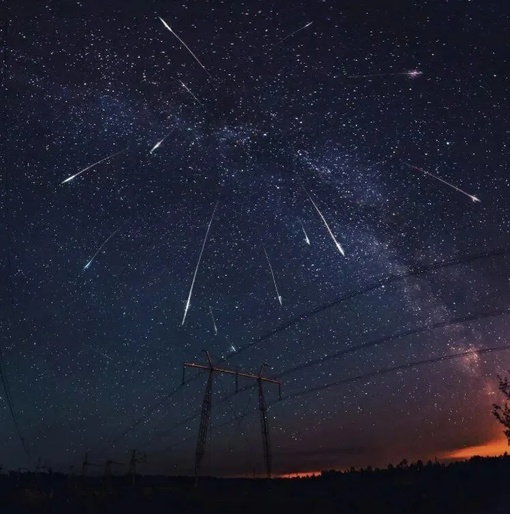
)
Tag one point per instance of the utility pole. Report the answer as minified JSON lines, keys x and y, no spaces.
{"x":108,"y":473}
{"x":85,"y":465}
{"x":132,"y":464}
{"x":205,"y":417}
{"x":72,"y":480}
{"x":40,"y":466}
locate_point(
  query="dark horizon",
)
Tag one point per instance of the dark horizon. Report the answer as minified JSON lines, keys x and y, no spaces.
{"x":98,"y":473}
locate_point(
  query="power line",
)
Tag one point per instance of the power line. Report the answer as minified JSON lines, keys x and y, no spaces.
{"x":406,"y":333}
{"x":401,"y":367}
{"x":372,"y":374}
{"x":385,"y":371}
{"x":418,"y":270}
{"x":146,"y":415}
{"x":454,"y":321}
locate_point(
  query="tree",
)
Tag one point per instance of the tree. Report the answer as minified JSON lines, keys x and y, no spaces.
{"x":403,"y":464}
{"x":502,"y":412}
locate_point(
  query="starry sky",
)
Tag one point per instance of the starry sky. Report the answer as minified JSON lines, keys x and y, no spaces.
{"x":257,"y":124}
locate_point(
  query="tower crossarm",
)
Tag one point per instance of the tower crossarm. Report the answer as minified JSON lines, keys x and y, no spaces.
{"x":205,"y":416}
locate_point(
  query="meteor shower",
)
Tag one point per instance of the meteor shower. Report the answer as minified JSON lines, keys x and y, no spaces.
{"x":255,"y":257}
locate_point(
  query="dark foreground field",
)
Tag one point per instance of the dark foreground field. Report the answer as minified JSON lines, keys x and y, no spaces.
{"x":477,"y":486}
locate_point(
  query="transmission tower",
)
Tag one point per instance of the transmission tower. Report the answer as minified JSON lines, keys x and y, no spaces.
{"x":205,"y":417}
{"x":85,"y":465}
{"x":39,"y":466}
{"x":266,"y":442}
{"x":132,"y":464}
{"x":108,"y":473}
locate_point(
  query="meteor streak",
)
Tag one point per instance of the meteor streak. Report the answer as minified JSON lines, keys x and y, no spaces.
{"x":272,"y":274}
{"x":158,"y":144}
{"x":101,"y":247}
{"x":214,"y":321}
{"x":91,"y":166}
{"x":295,"y":32}
{"x":304,"y":232}
{"x":471,"y":197}
{"x":338,"y":245}
{"x":187,"y":47}
{"x":411,"y":74}
{"x":190,"y":92}
{"x":186,"y":308}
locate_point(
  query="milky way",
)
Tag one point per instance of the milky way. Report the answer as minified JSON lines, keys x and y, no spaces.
{"x":88,"y":356}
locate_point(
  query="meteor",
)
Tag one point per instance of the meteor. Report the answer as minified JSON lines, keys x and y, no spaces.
{"x":471,"y":197}
{"x":186,"y":308}
{"x":158,"y":144}
{"x":272,"y":274}
{"x":87,"y":266}
{"x":295,"y":32}
{"x":91,"y":166}
{"x":411,"y":74}
{"x":304,"y":232}
{"x":214,"y":321}
{"x":190,"y":92}
{"x":338,"y":245}
{"x":186,"y":46}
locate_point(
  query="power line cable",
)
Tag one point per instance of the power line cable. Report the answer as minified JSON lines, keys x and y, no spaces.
{"x":406,"y":333}
{"x":400,"y":367}
{"x":454,"y":321}
{"x":416,"y":271}
{"x":372,"y":374}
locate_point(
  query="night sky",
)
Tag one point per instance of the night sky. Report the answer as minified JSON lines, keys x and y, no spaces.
{"x":351,"y":112}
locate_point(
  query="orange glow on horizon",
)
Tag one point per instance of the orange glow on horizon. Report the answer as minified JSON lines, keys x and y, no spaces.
{"x":490,"y":449}
{"x":300,"y":474}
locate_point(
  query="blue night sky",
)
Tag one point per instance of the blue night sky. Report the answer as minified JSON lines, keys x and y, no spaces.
{"x":361,"y":112}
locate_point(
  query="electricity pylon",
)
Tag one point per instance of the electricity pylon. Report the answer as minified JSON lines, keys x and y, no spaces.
{"x":205,"y":417}
{"x":86,"y":464}
{"x":132,"y":464}
{"x":108,"y":473}
{"x":39,"y":466}
{"x":266,"y":442}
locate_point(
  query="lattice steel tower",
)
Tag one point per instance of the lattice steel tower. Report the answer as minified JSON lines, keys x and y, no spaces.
{"x":205,"y":417}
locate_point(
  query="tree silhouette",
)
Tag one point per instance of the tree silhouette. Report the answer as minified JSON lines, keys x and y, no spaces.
{"x":502,"y":412}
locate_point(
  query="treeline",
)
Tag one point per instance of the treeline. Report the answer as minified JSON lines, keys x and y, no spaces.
{"x":404,"y":466}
